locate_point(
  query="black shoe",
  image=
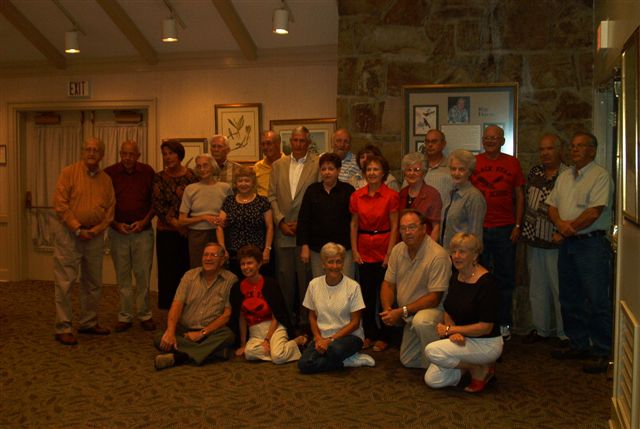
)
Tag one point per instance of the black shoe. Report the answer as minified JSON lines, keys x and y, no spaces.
{"x":563,"y":354}
{"x":533,"y":337}
{"x":564,"y":344}
{"x":599,"y":365}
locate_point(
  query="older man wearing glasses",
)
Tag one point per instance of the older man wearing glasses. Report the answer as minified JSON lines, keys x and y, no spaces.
{"x":499,"y":177}
{"x":197,"y":323}
{"x":416,"y":279}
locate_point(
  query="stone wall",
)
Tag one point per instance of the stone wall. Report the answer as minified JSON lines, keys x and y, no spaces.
{"x":544,"y":45}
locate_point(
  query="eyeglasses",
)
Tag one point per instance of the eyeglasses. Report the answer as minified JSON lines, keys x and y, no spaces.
{"x":409,"y":228}
{"x":413,"y":170}
{"x":491,"y":139}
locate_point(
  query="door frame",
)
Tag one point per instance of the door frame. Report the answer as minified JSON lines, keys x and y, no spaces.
{"x":17,"y":225}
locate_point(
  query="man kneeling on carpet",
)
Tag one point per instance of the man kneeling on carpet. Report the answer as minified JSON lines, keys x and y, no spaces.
{"x":335,"y":307}
{"x":197,"y":322}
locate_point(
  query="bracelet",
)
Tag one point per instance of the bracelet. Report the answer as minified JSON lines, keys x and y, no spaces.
{"x":332,"y":339}
{"x":517,"y":225}
{"x":446,"y":331}
{"x":204,"y":332}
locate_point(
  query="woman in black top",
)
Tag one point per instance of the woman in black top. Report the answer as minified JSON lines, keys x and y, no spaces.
{"x":471,"y":336}
{"x":324,"y":216}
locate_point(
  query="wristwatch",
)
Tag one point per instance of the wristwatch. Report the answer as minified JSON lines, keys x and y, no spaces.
{"x":405,"y":311}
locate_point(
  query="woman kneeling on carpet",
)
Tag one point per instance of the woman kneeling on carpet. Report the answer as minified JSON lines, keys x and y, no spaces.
{"x":263,"y":312}
{"x":335,"y":307}
{"x":471,"y":335}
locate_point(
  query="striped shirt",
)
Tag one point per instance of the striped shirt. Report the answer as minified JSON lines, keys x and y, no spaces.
{"x":349,"y":167}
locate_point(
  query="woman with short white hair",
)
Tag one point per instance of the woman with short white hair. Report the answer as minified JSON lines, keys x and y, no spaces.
{"x":200,"y":208}
{"x":467,"y":207}
{"x":335,"y":306}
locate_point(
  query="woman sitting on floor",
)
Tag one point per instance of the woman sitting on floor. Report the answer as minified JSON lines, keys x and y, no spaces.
{"x":471,"y":335}
{"x":262,"y":311}
{"x":335,"y":305}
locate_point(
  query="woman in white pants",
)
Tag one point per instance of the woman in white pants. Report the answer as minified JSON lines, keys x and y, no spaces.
{"x":262,"y":312}
{"x":470,"y":333}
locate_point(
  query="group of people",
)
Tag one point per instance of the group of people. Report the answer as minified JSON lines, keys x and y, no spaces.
{"x":334,"y":260}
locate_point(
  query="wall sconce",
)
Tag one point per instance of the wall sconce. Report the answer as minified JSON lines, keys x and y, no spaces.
{"x":169,"y":33}
{"x":71,"y":45}
{"x":281,"y":21}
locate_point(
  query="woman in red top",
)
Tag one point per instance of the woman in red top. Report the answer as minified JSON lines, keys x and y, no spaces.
{"x":374,"y":228}
{"x":263,"y":313}
{"x":420,"y":196}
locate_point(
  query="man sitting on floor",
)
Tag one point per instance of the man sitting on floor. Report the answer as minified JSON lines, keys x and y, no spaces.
{"x":197,"y":322}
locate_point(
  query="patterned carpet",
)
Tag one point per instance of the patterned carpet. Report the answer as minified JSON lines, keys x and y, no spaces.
{"x":110,"y":382}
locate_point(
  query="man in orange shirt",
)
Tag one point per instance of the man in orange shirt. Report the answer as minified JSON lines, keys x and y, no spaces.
{"x":84,"y":201}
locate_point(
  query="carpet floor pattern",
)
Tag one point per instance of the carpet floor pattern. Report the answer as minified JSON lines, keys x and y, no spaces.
{"x":110,"y":382}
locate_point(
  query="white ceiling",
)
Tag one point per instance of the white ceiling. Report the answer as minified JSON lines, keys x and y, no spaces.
{"x":315,"y":25}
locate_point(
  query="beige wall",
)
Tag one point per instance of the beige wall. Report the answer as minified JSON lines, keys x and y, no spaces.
{"x":185,"y":103}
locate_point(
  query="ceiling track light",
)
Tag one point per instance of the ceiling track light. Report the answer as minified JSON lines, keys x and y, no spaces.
{"x":169,"y":29}
{"x":281,"y":18}
{"x":71,"y":45}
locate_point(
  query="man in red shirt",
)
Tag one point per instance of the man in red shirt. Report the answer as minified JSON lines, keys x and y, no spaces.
{"x":131,"y":235}
{"x":499,"y":177}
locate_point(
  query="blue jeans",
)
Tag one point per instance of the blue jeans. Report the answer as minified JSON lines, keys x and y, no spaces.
{"x":312,"y":362}
{"x":584,"y":269}
{"x":499,"y":257}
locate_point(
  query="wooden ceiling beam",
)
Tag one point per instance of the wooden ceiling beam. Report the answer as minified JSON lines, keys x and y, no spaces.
{"x":129,"y":29}
{"x":32,"y":34}
{"x":230,"y":17}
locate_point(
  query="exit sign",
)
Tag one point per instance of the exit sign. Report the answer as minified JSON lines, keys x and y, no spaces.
{"x":79,"y":89}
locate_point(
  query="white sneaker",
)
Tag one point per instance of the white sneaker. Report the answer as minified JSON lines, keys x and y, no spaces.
{"x":505,"y":331}
{"x":358,"y":359}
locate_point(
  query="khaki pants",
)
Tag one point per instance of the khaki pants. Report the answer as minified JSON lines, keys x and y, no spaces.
{"x":71,"y":256}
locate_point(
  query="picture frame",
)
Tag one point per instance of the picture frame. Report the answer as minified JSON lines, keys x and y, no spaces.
{"x":630,"y":133}
{"x":3,"y":154}
{"x":485,"y":104}
{"x":241,"y":123}
{"x":192,"y":148}
{"x":321,"y":130}
{"x":425,"y":118}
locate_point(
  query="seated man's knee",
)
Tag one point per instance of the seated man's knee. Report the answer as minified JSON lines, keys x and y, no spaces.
{"x":428,"y":317}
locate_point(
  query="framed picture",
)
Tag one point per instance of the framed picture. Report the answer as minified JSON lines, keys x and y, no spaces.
{"x":192,"y":148}
{"x":630,"y":132}
{"x":420,"y":148}
{"x":241,"y":123}
{"x":321,"y":130}
{"x":425,"y":118}
{"x":468,"y":109}
{"x":3,"y":154}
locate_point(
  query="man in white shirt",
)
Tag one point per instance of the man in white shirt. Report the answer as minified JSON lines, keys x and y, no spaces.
{"x":288,"y":182}
{"x":580,"y":208}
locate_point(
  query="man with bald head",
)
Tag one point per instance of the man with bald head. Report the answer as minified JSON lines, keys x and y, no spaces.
{"x":219,"y":147}
{"x":499,"y":177}
{"x":84,"y":202}
{"x":131,"y":235}
{"x":270,"y":144}
{"x":542,"y":251}
{"x":341,"y":146}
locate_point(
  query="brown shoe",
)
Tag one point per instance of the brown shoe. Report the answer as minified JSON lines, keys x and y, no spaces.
{"x":122,"y":326}
{"x":94,"y":330}
{"x":67,"y":339}
{"x":148,"y":325}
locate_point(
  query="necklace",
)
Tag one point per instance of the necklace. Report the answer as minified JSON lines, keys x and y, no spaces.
{"x":466,"y":279}
{"x":245,"y":200}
